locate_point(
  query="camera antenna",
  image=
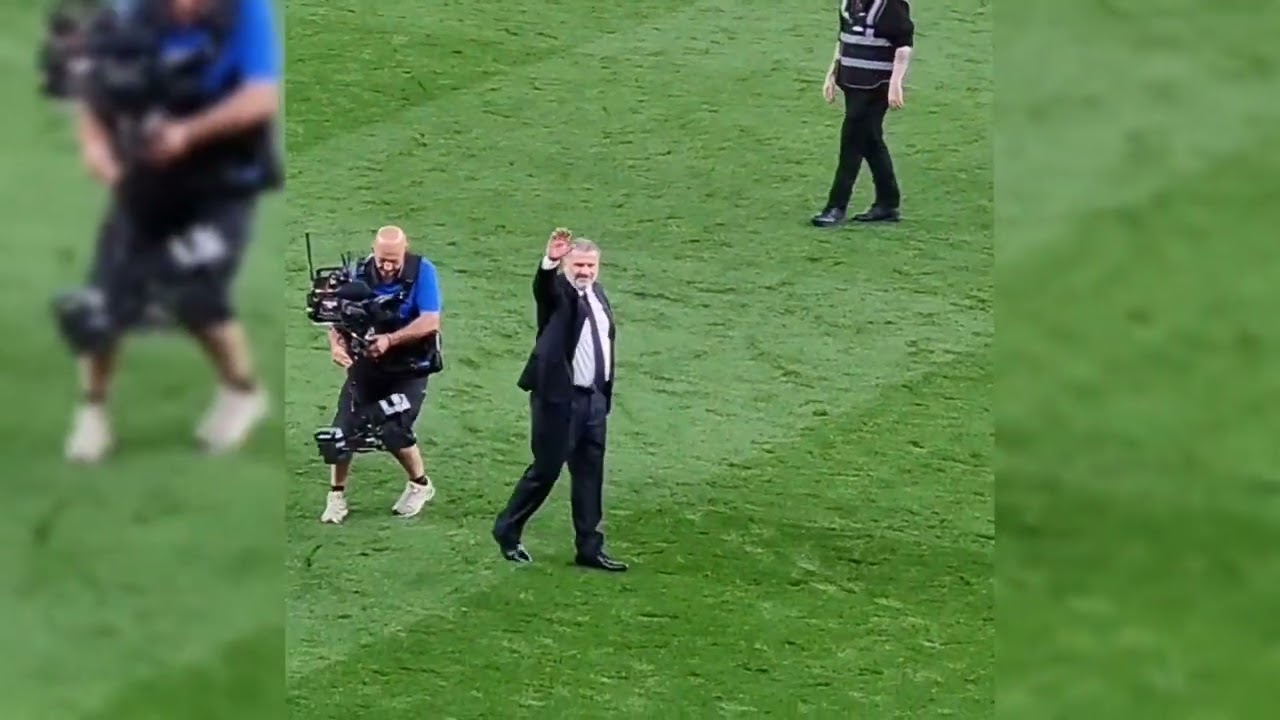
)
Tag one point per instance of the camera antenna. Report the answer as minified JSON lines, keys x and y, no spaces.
{"x":311,"y":265}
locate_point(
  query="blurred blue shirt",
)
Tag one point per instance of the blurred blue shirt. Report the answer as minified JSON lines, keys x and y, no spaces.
{"x":251,"y":54}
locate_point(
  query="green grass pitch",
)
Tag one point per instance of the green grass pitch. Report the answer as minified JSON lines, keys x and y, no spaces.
{"x":1137,"y":157}
{"x":800,"y":463}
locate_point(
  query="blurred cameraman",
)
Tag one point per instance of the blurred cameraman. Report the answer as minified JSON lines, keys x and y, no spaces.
{"x":176,"y":118}
{"x":376,"y":373}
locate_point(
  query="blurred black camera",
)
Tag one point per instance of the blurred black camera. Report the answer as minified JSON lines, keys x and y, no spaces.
{"x":125,"y":75}
{"x":340,"y":298}
{"x":335,"y":446}
{"x":64,"y":58}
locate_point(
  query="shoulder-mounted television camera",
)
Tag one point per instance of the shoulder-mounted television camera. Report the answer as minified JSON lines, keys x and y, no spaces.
{"x":64,"y":58}
{"x":343,"y":297}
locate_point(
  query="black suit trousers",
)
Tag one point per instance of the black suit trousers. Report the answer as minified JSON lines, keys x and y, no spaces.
{"x":572,"y":432}
{"x":862,"y":138}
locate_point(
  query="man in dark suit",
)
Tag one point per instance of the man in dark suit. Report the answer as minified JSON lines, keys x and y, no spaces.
{"x":569,"y":378}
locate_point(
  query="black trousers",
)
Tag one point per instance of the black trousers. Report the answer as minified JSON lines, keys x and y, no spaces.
{"x":364,"y":387}
{"x":571,"y":433}
{"x":862,"y":138}
{"x":184,"y":257}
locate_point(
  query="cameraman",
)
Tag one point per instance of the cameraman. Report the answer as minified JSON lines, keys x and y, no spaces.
{"x":185,"y":158}
{"x":391,"y":270}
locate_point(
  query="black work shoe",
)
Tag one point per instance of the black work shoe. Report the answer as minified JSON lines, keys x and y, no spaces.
{"x":601,"y":561}
{"x":878,"y":214}
{"x":829,"y":218}
{"x":517,"y":555}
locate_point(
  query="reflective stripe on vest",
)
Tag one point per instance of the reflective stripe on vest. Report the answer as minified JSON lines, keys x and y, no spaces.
{"x":866,"y":60}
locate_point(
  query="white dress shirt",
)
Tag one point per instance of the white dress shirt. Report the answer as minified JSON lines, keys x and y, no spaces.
{"x":584,"y":357}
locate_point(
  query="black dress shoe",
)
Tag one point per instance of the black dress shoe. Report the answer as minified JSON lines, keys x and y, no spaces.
{"x":517,"y":554}
{"x":600,"y":561}
{"x":510,"y":547}
{"x":831,"y":217}
{"x":878,"y":214}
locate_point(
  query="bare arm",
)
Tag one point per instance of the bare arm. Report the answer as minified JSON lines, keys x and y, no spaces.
{"x":835,"y":62}
{"x":89,"y":128}
{"x":897,"y":17}
{"x":901,"y":61}
{"x":336,"y":341}
{"x":422,"y":326}
{"x":95,"y":146}
{"x":260,"y":61}
{"x":252,"y":105}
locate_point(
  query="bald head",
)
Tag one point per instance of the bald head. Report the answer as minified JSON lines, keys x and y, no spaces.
{"x":391,"y":238}
{"x":389,"y":248}
{"x":188,"y":11}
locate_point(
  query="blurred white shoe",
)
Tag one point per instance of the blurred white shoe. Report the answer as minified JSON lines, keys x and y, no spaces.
{"x":216,"y":410}
{"x":335,"y":508}
{"x":231,"y":419}
{"x":414,"y":498}
{"x":90,"y":438}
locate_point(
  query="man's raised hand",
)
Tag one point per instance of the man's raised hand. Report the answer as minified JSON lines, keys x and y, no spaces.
{"x":559,"y":245}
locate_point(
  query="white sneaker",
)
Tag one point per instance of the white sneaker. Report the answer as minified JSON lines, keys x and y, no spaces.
{"x":90,"y":437}
{"x":217,"y":409}
{"x":231,"y":419}
{"x":414,"y":498}
{"x":335,"y":508}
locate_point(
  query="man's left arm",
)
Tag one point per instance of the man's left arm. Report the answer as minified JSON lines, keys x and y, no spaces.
{"x":901,"y":62}
{"x":903,"y":36}
{"x":256,"y":49}
{"x":426,"y":299}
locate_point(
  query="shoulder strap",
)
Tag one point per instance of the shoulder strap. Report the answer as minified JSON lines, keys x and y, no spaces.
{"x":408,"y":276}
{"x":412,"y":265}
{"x":223,"y":18}
{"x":368,"y":271}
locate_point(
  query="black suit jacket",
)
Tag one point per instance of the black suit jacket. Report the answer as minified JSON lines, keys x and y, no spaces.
{"x":548,"y":374}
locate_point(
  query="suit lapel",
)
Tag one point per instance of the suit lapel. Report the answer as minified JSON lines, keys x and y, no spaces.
{"x":580,"y":321}
{"x":604,"y":302}
{"x":613,"y":325}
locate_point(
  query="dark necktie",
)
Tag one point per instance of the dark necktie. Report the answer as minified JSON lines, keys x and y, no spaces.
{"x":597,"y":348}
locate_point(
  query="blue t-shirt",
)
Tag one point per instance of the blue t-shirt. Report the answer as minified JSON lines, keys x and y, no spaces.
{"x":426,"y":292}
{"x":251,"y":53}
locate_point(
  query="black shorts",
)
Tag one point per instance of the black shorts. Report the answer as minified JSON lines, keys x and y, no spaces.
{"x":183,"y":259}
{"x":361,"y":390}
